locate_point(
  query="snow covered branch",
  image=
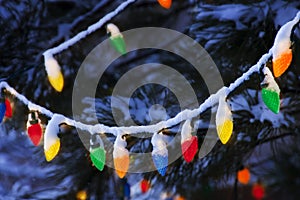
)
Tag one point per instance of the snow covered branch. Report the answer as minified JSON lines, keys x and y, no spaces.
{"x":280,"y":53}
{"x":182,"y":116}
{"x":89,"y":30}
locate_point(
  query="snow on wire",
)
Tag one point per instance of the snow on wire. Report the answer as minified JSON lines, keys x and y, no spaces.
{"x":63,"y":46}
{"x":182,"y":116}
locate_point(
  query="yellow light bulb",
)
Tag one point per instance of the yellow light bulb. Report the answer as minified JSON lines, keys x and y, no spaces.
{"x":52,"y":151}
{"x":51,"y":140}
{"x":224,"y":119}
{"x":225,"y":130}
{"x":53,"y":70}
{"x":81,"y":195}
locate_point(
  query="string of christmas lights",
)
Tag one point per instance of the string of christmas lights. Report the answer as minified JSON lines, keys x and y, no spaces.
{"x":51,"y":65}
{"x":281,"y":58}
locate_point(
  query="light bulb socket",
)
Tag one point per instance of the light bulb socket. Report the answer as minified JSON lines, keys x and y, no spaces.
{"x":264,"y":85}
{"x":125,"y":136}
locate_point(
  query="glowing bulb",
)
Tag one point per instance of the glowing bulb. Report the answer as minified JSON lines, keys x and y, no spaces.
{"x":121,"y":156}
{"x":165,"y":3}
{"x":34,"y":129}
{"x":8,"y":109}
{"x":81,"y":195}
{"x":116,"y":38}
{"x":98,"y":154}
{"x":270,"y":94}
{"x":5,"y":109}
{"x":282,"y":62}
{"x":159,"y":153}
{"x":271,"y":99}
{"x":224,"y":119}
{"x":258,"y":191}
{"x":2,"y":109}
{"x":179,"y":197}
{"x":53,"y":70}
{"x":189,"y":143}
{"x":51,"y":140}
{"x":145,"y":185}
{"x":282,"y":53}
{"x":243,"y":176}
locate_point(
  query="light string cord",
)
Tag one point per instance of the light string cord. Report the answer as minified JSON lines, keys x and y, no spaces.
{"x":155,"y":128}
{"x":182,"y":116}
{"x":88,"y":31}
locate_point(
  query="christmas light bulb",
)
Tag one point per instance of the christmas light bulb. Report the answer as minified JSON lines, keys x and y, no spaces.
{"x":51,"y":140}
{"x":282,"y":62}
{"x":243,"y":176}
{"x":8,"y":109}
{"x":145,"y":185}
{"x":2,"y":109}
{"x":224,"y":119}
{"x":98,"y":154}
{"x":53,"y":70}
{"x":179,"y":197}
{"x":159,"y":153}
{"x":121,"y":156}
{"x":165,"y":3}
{"x":81,"y":195}
{"x":116,"y":38}
{"x":270,"y":93}
{"x":258,"y":191}
{"x":271,"y":99}
{"x":189,"y":143}
{"x":34,"y":129}
{"x":282,"y":52}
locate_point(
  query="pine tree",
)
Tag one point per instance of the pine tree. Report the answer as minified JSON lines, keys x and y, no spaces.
{"x":235,"y":33}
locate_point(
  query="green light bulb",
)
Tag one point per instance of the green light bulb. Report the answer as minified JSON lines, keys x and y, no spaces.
{"x":118,"y":43}
{"x":98,"y":156}
{"x":271,"y":99}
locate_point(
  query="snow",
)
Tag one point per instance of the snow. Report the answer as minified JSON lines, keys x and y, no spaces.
{"x":23,"y":171}
{"x":52,"y":130}
{"x":24,"y":100}
{"x":159,"y":145}
{"x":225,"y":13}
{"x":89,"y":30}
{"x":282,"y":41}
{"x":269,"y":80}
{"x":52,"y":66}
{"x":186,"y":131}
{"x":223,"y":112}
{"x":259,"y":111}
{"x":239,"y":13}
{"x":121,"y":104}
{"x":154,"y":128}
{"x":285,"y":12}
{"x":113,"y":30}
{"x":30,"y":119}
{"x":120,"y":147}
{"x":157,"y":113}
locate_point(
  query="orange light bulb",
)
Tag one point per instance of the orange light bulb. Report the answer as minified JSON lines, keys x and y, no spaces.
{"x":165,"y":3}
{"x":243,"y":176}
